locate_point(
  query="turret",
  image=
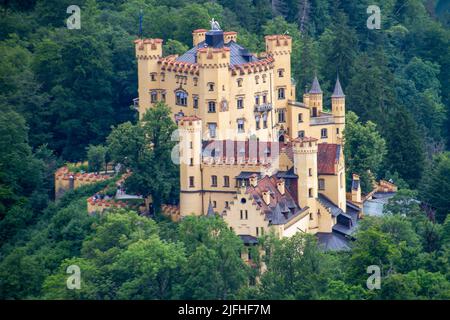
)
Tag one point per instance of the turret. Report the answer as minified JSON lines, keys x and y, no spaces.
{"x":198,"y":36}
{"x":148,"y":52}
{"x":315,"y":95}
{"x":305,"y":167}
{"x":338,"y":109}
{"x":191,"y":201}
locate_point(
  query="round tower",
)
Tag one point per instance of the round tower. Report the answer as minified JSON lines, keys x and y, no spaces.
{"x":305,"y":167}
{"x":148,"y":53}
{"x":191,"y":192}
{"x":338,"y":110}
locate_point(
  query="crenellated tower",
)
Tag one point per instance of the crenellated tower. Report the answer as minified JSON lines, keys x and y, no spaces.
{"x":148,"y":52}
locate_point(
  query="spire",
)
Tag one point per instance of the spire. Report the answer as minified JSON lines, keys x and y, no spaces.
{"x":338,"y":93}
{"x":315,"y":88}
{"x":210,"y":212}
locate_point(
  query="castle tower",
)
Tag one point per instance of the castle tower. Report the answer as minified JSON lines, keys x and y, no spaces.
{"x":338,"y":110}
{"x":315,"y":95}
{"x":305,"y":167}
{"x":191,"y":194}
{"x":148,"y":52}
{"x":214,"y":63}
{"x":279,"y":47}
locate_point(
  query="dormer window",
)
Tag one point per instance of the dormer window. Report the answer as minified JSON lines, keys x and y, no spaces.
{"x":211,"y":86}
{"x":181,"y":98}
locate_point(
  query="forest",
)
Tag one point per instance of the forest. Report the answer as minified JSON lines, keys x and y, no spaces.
{"x":66,"y":92}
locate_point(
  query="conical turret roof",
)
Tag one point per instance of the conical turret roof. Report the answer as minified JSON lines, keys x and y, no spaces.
{"x":338,"y":92}
{"x":315,"y":88}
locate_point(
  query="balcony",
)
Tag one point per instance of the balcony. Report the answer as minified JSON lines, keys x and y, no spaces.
{"x":263,"y":107}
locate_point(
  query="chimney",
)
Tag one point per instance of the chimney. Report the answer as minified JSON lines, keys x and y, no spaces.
{"x":356,"y":188}
{"x":198,"y":36}
{"x":266,"y":196}
{"x":281,"y":186}
{"x":253,"y":180}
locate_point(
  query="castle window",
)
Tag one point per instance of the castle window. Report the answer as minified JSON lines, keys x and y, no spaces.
{"x":265,"y":120}
{"x":181,"y":98}
{"x":257,"y":100}
{"x":191,"y":162}
{"x":240,"y":103}
{"x":214,"y":204}
{"x":211,"y":106}
{"x":163,"y":97}
{"x":163,"y":76}
{"x":301,"y":134}
{"x":257,"y":79}
{"x":324,"y":133}
{"x":281,"y":116}
{"x":310,"y":173}
{"x":300,"y":117}
{"x":191,"y":145}
{"x":281,"y":94}
{"x":259,"y":231}
{"x":321,"y":184}
{"x":195,"y":102}
{"x":211,"y":86}
{"x":244,"y":215}
{"x":226,"y":181}
{"x":239,"y":82}
{"x":311,"y":216}
{"x":257,"y":118}
{"x":153,"y":97}
{"x":310,"y":192}
{"x":240,"y":123}
{"x":153,"y":76}
{"x":264,"y":78}
{"x":280,"y":73}
{"x":195,"y":81}
{"x":227,"y":204}
{"x":341,"y":180}
{"x":264,"y":98}
{"x":191,"y":182}
{"x":337,"y":130}
{"x":213,"y":181}
{"x":212,"y":126}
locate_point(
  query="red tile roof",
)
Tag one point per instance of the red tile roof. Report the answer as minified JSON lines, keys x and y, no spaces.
{"x":328,"y":158}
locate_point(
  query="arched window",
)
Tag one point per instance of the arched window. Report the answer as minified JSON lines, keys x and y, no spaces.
{"x":181,"y":98}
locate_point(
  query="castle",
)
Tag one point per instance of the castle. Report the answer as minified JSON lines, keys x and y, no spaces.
{"x":248,"y":150}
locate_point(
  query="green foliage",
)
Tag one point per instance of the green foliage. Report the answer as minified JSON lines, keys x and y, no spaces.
{"x":364,"y":150}
{"x":96,"y":156}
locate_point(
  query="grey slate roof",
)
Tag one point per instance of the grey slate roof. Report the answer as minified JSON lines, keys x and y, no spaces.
{"x":338,"y":92}
{"x":335,"y":210}
{"x":315,"y":88}
{"x":333,"y":241}
{"x":247,"y":239}
{"x":238,"y":54}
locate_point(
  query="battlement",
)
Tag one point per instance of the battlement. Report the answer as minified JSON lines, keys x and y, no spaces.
{"x":305,"y":145}
{"x":278,"y":44}
{"x":229,"y":36}
{"x":148,"y":48}
{"x":213,"y":57}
